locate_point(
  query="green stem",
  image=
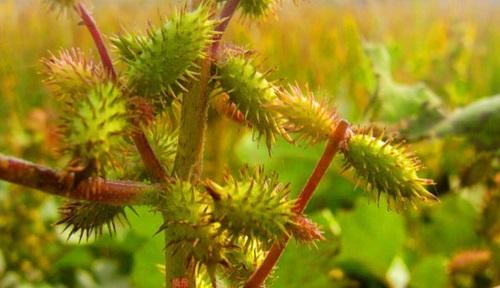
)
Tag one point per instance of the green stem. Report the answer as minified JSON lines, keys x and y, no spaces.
{"x":179,"y":269}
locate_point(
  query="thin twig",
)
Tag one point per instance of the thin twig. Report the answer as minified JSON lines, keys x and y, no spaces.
{"x":151,"y":162}
{"x":331,"y":149}
{"x":335,"y":142}
{"x":90,"y":23}
{"x":58,"y":183}
{"x":148,"y":156}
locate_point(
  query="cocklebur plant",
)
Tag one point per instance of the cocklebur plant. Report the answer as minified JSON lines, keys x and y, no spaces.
{"x":154,"y":110}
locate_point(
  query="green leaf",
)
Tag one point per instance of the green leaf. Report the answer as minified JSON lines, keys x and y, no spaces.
{"x":78,"y":257}
{"x":430,"y":273}
{"x":371,"y":236}
{"x":396,"y":101}
{"x":146,"y":258}
{"x":478,"y":122}
{"x":315,"y":262}
{"x":333,"y":192}
{"x":449,"y":227}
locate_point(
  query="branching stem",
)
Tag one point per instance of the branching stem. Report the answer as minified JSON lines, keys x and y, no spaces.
{"x":225,"y":16}
{"x":188,"y":160}
{"x":151,"y":162}
{"x":45,"y":179}
{"x":335,"y":142}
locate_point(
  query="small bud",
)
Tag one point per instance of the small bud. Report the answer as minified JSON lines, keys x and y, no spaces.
{"x":305,"y":230}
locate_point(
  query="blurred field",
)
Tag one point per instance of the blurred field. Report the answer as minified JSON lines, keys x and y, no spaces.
{"x":452,"y":46}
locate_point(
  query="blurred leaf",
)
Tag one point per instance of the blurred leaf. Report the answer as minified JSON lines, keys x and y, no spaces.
{"x":479,"y":122}
{"x":84,"y":279}
{"x":371,"y":236}
{"x":394,"y":101}
{"x":145,"y":273}
{"x":315,"y":262}
{"x":77,"y":257}
{"x":448,"y":227}
{"x":295,"y":164}
{"x":108,"y":273}
{"x":2,"y":263}
{"x":430,"y":272}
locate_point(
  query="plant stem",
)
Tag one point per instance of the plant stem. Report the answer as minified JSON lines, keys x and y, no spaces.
{"x":45,"y":179}
{"x":179,"y":268}
{"x":89,"y":22}
{"x":195,"y":108}
{"x":149,"y":159}
{"x":180,"y":271}
{"x":194,"y":113}
{"x":225,"y":16}
{"x":331,"y":149}
{"x":151,"y":162}
{"x":335,"y":142}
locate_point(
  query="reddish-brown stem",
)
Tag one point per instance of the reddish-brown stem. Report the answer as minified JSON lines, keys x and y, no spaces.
{"x":151,"y":162}
{"x":225,"y":16}
{"x":45,"y":179}
{"x":324,"y":162}
{"x":148,"y":156}
{"x":272,"y":257}
{"x":89,"y":22}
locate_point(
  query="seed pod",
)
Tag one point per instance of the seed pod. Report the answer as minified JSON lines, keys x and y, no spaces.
{"x":70,"y":74}
{"x":92,"y":125}
{"x":59,"y":5}
{"x":89,"y":218}
{"x":242,"y":262}
{"x":304,"y":116}
{"x":252,"y":94}
{"x":254,"y":205}
{"x":387,"y":169}
{"x":257,"y":8}
{"x":161,"y":61}
{"x":188,"y":225}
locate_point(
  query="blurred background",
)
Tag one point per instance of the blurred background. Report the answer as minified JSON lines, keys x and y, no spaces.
{"x":362,"y":57}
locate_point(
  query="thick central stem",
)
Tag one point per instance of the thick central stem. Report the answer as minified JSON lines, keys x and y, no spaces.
{"x":180,"y":271}
{"x":179,"y":268}
{"x":188,"y":164}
